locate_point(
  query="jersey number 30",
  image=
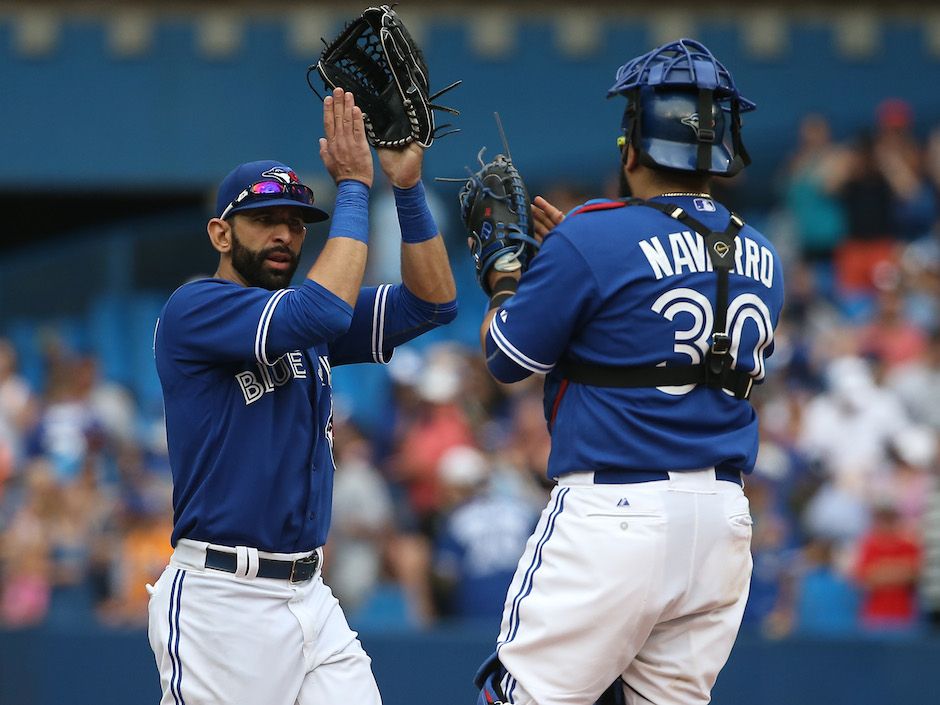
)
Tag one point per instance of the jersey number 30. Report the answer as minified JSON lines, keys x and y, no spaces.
{"x":694,"y":340}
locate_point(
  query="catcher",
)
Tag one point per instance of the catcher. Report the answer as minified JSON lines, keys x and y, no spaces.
{"x":651,"y":318}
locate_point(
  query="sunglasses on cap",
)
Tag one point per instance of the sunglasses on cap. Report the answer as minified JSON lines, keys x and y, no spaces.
{"x":272,"y":189}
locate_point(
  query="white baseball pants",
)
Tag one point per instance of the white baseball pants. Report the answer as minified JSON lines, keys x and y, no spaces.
{"x":644,"y":581}
{"x":223,"y":638}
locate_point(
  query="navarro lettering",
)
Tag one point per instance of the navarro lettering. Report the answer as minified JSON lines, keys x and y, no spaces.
{"x":685,"y":253}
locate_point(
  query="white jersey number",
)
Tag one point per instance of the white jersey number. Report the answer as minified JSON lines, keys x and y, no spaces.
{"x":693,"y":341}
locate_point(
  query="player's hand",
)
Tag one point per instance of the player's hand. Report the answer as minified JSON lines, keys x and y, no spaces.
{"x":345,"y":151}
{"x":402,"y":166}
{"x":494,"y":273}
{"x":544,"y":217}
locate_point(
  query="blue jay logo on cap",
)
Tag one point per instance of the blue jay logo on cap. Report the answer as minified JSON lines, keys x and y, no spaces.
{"x":286,"y":176}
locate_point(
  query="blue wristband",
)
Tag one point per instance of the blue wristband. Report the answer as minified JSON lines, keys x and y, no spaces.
{"x":414,"y":216}
{"x":351,"y":211}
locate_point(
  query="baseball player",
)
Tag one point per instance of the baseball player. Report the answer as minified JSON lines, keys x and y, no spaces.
{"x":651,"y":317}
{"x":241,"y":614}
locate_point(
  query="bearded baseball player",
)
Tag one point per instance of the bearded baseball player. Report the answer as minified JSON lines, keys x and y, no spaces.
{"x":652,"y":318}
{"x":241,"y":614}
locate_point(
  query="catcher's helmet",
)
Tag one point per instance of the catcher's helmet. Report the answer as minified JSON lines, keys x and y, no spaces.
{"x":683,"y":110}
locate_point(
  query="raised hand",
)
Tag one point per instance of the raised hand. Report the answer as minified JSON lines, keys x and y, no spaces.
{"x":544,"y":217}
{"x":345,"y":151}
{"x":402,"y":165}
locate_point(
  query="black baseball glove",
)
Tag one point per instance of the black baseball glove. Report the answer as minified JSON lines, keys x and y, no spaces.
{"x":494,"y":207}
{"x":376,"y":59}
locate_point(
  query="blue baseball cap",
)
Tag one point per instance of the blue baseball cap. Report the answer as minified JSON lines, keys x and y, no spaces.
{"x":264,"y":184}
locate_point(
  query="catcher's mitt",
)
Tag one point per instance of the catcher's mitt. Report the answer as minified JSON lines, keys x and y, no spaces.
{"x":494,"y":207}
{"x":376,"y":60}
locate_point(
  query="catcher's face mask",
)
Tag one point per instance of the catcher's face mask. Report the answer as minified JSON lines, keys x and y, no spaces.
{"x":683,"y":110}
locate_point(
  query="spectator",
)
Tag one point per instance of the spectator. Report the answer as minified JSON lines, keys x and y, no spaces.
{"x":529,"y":444}
{"x":25,"y":559}
{"x":890,"y":337}
{"x":888,"y":197}
{"x":920,"y":272}
{"x":847,"y":428}
{"x":812,"y":180}
{"x":481,"y":538}
{"x":930,"y":530}
{"x":17,"y":403}
{"x":872,"y":228}
{"x":902,"y":162}
{"x":80,"y":561}
{"x":769,"y":601}
{"x":438,"y":425}
{"x":69,"y":433}
{"x":912,"y":452}
{"x":887,"y":571}
{"x":132,"y":547}
{"x":917,"y":384}
{"x":362,"y":520}
{"x":139,"y":555}
{"x":826,"y":600}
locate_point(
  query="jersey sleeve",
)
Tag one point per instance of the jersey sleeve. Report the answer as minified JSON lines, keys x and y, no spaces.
{"x":531,"y":330}
{"x":222,"y":321}
{"x":385,"y":317}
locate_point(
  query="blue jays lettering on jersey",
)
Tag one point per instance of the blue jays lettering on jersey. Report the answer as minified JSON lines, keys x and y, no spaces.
{"x":630,"y":286}
{"x":246,"y":376}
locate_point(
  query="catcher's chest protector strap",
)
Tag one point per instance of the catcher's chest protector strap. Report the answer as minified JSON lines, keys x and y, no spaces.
{"x":717,"y":370}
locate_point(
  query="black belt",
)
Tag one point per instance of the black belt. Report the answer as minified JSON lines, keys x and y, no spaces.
{"x":629,"y":477}
{"x":295,"y":571}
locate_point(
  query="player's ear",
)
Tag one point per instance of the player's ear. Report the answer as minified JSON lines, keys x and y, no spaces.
{"x":632,"y":159}
{"x":220,"y":235}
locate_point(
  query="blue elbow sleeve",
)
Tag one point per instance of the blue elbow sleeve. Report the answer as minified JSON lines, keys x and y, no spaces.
{"x":418,"y":312}
{"x":500,"y":366}
{"x":445,"y":313}
{"x":336,"y":321}
{"x":322,"y":315}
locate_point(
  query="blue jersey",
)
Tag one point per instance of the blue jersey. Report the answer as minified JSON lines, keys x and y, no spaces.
{"x":631,"y":286}
{"x":478,"y":549}
{"x":246,"y":386}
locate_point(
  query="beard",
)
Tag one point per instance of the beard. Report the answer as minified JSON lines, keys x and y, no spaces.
{"x":250,"y":264}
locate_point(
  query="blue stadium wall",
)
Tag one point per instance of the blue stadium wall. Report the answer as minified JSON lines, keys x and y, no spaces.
{"x":116,"y":668}
{"x":77,"y":113}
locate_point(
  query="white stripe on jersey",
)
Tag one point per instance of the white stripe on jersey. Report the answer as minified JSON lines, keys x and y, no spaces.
{"x":261,"y":336}
{"x":378,"y":322}
{"x":325,"y":364}
{"x":513,"y":353}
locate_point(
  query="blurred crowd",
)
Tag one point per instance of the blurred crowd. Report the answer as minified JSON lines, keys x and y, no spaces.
{"x":433,"y":506}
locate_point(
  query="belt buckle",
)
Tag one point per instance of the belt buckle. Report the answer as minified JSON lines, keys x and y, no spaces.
{"x":313,"y":559}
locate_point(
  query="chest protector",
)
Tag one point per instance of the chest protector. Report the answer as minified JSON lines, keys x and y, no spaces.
{"x":717,"y":371}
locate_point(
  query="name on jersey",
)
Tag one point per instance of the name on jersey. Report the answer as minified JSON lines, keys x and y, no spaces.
{"x":684,"y":253}
{"x":266,"y":378}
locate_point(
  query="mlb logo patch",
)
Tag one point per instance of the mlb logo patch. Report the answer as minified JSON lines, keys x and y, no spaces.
{"x":704,"y":204}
